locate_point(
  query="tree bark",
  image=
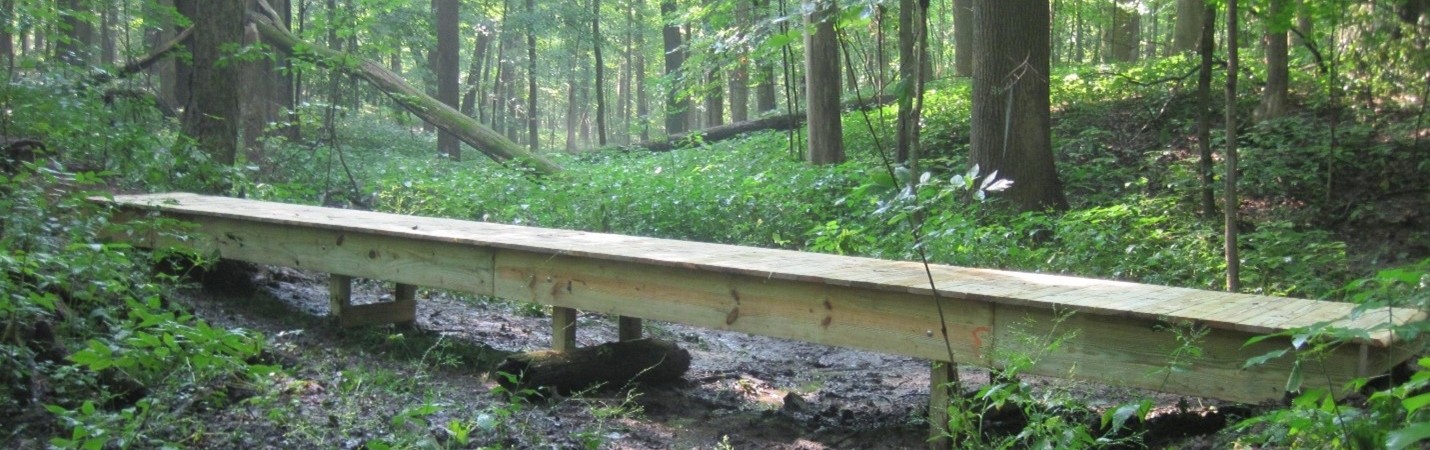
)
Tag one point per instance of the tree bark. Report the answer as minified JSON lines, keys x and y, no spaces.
{"x":822,"y":90}
{"x":212,"y":116}
{"x":912,"y":37}
{"x":963,"y":38}
{"x":1010,"y":124}
{"x":1233,"y":205}
{"x":714,"y":100}
{"x":610,"y":365}
{"x":600,"y":69}
{"x":1278,"y":77}
{"x":1121,"y":38}
{"x":7,"y":39}
{"x":1188,"y":29}
{"x":448,"y":68}
{"x":740,"y":74}
{"x":480,"y":137}
{"x":677,"y":108}
{"x":533,"y":129}
{"x":78,"y":48}
{"x":1204,"y":116}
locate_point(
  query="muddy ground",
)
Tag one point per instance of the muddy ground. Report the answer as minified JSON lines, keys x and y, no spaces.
{"x":357,"y":387}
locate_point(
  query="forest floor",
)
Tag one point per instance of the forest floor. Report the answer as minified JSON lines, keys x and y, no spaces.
{"x":351,"y":388}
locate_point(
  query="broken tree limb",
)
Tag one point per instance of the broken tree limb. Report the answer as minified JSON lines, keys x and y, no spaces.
{"x":473,"y":133}
{"x":144,"y":62}
{"x":613,"y":364}
{"x":778,"y":123}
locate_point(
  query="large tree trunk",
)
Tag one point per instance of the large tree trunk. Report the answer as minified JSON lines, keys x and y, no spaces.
{"x":821,"y":58}
{"x":1010,"y":70}
{"x":7,"y":39}
{"x":447,"y":68}
{"x":78,"y":47}
{"x":257,"y":84}
{"x":963,"y":37}
{"x":1278,"y":77}
{"x":212,"y":116}
{"x":677,"y":109}
{"x":1189,"y":25}
{"x":609,"y":365}
{"x":480,"y":137}
{"x":1121,"y":37}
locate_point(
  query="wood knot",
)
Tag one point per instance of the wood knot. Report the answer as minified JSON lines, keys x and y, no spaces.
{"x":372,"y":254}
{"x":732,"y":316}
{"x":341,"y":238}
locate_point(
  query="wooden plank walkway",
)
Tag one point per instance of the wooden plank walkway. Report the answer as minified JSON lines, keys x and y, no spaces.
{"x":879,"y":305}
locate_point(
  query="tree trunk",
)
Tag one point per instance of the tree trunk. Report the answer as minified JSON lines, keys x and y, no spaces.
{"x":77,"y":49}
{"x":469,"y":131}
{"x":676,"y":107}
{"x":740,"y":74}
{"x":7,"y":39}
{"x":533,"y":131}
{"x":1233,"y":205}
{"x":184,"y":69}
{"x":963,"y":38}
{"x":1010,"y":70}
{"x":472,"y":92}
{"x":821,"y":59}
{"x":1189,"y":25}
{"x":913,"y":26}
{"x":1121,"y":36}
{"x":106,"y":35}
{"x":1204,"y":116}
{"x":212,"y":116}
{"x":714,"y":100}
{"x":1278,"y":77}
{"x":256,"y":105}
{"x":600,"y":68}
{"x":642,"y":97}
{"x":448,"y":68}
{"x":610,"y":365}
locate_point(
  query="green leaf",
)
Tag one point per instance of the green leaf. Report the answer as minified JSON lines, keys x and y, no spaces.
{"x":1263,"y":359}
{"x":1407,"y":436}
{"x":1293,"y":381}
{"x":1414,"y":404}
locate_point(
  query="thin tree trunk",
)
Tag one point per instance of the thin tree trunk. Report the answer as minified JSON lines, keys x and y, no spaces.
{"x":106,"y":35}
{"x":714,"y":100}
{"x":826,"y":133}
{"x":740,"y":74}
{"x":912,"y":28}
{"x":1233,"y":205}
{"x":1204,"y":116}
{"x":7,"y":46}
{"x":533,"y":131}
{"x":183,"y":69}
{"x":600,"y":68}
{"x":677,"y":108}
{"x":474,"y":73}
{"x":642,"y":97}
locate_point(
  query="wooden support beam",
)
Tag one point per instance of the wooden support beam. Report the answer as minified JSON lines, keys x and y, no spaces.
{"x":563,"y":329}
{"x":628,"y":328}
{"x":404,"y":298}
{"x":340,"y":296}
{"x":940,"y":394}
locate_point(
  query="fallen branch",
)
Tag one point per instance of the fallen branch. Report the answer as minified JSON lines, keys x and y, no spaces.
{"x":144,"y":62}
{"x":613,"y":364}
{"x":723,"y":132}
{"x":469,"y":131}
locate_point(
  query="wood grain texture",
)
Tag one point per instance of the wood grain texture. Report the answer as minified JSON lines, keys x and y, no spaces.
{"x":1118,"y":331}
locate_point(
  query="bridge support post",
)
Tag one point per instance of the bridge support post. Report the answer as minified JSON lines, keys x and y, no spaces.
{"x":628,"y":328}
{"x":401,"y":311}
{"x":563,"y":329}
{"x":940,"y":394}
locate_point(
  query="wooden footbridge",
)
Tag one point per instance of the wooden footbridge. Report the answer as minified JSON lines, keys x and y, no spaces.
{"x":886,"y":306}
